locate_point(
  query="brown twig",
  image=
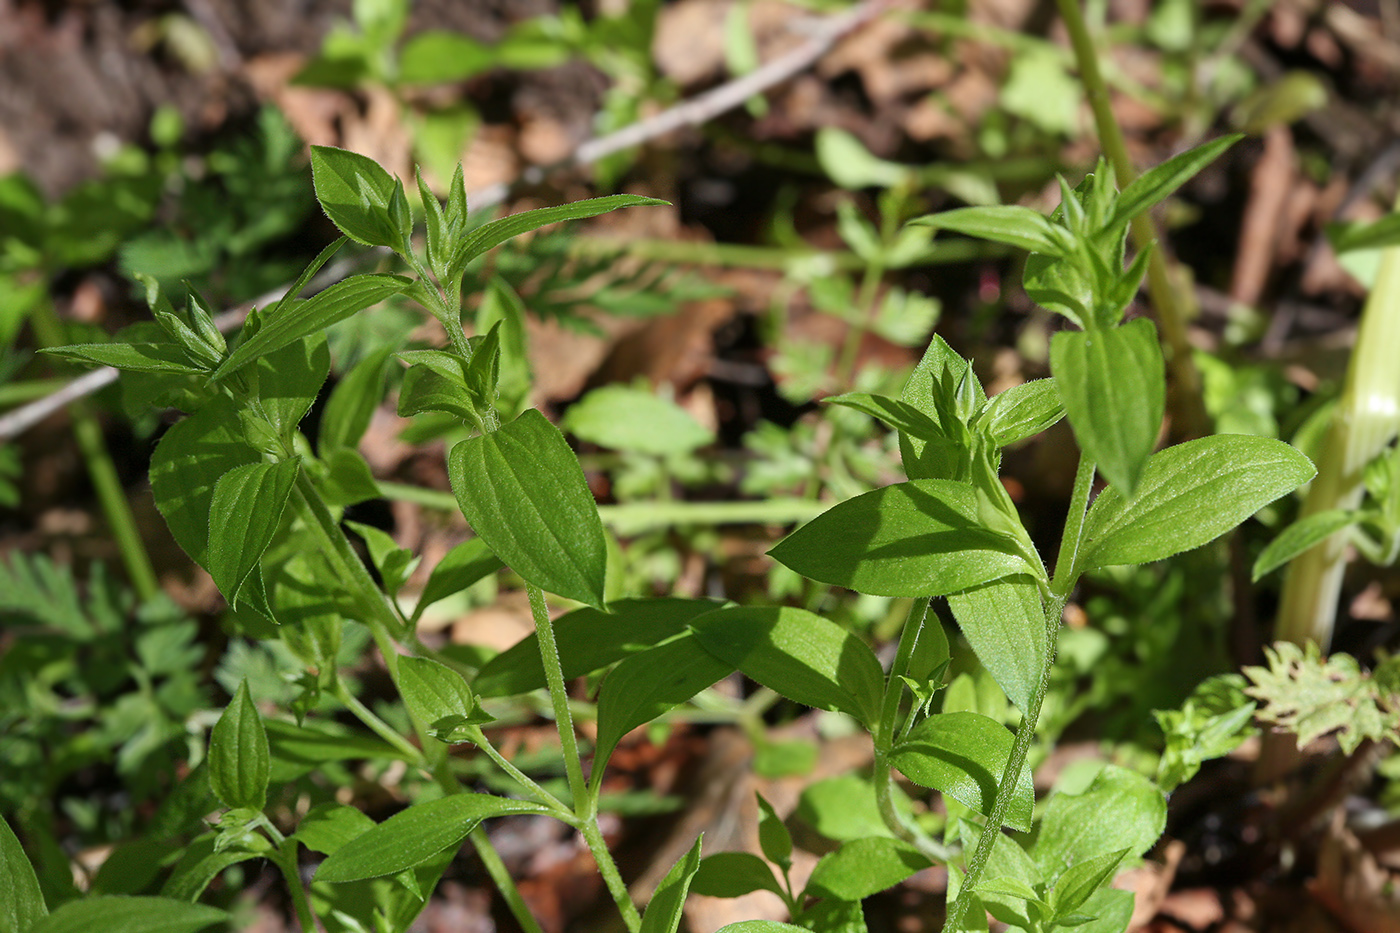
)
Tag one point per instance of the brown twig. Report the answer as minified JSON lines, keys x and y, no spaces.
{"x":823,"y":35}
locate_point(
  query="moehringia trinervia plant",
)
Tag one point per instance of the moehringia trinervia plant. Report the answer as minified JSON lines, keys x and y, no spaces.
{"x":251,"y":500}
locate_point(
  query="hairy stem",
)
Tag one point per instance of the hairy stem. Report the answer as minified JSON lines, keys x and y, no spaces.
{"x":585,"y":805}
{"x":1172,"y":308}
{"x":285,"y":858}
{"x":1054,"y":604}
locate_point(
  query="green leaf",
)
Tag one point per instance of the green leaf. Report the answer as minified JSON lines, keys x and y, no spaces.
{"x":897,"y":414}
{"x":522,"y":490}
{"x":1004,"y":622}
{"x":288,"y":381}
{"x":588,"y":640}
{"x":353,"y":401}
{"x":496,"y":232}
{"x":437,"y":56}
{"x":356,"y":194}
{"x":625,"y":418}
{"x":117,"y":914}
{"x":733,"y":874}
{"x":1013,"y":225}
{"x":844,"y":808}
{"x":852,"y":166}
{"x":1081,"y":880}
{"x":798,"y":654}
{"x":410,"y":838}
{"x":137,"y":358}
{"x":1303,"y":535}
{"x":200,"y":864}
{"x":964,"y":755}
{"x":328,"y":826}
{"x":864,"y":867}
{"x":651,"y":683}
{"x":459,"y":568}
{"x":239,"y":761}
{"x":21,"y":902}
{"x":761,"y":926}
{"x":926,"y":537}
{"x":1190,"y":494}
{"x":244,"y":513}
{"x":436,"y":381}
{"x":318,"y":742}
{"x":663,"y":913}
{"x":1113,"y":385}
{"x":292,"y":320}
{"x":1074,"y":829}
{"x":773,"y":836}
{"x":1157,"y":184}
{"x":394,"y":563}
{"x":1349,"y":237}
{"x":1061,"y":286}
{"x":347,"y":478}
{"x":1021,"y":411}
{"x":940,"y":367}
{"x":439,"y":697}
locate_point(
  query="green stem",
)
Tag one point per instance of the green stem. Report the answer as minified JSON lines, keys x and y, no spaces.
{"x":527,"y":783}
{"x":379,"y":727}
{"x":894,"y":687}
{"x":286,"y":861}
{"x":1172,"y":308}
{"x":1054,"y":604}
{"x":585,"y":804}
{"x":500,"y":876}
{"x":48,"y":332}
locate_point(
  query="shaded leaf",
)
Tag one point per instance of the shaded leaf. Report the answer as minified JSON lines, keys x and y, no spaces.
{"x":239,"y":762}
{"x":244,"y":513}
{"x":864,"y":867}
{"x":964,"y":755}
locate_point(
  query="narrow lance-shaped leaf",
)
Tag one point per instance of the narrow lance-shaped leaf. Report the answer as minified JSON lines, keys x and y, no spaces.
{"x":415,"y":835}
{"x":1021,"y":411}
{"x":137,"y":358}
{"x":115,"y":914}
{"x":244,"y":513}
{"x":496,"y":232}
{"x":1113,"y":384}
{"x":352,"y":402}
{"x":522,"y":490}
{"x":1158,"y":183}
{"x":462,"y":566}
{"x":1303,"y":535}
{"x":663,"y":914}
{"x":1003,"y":223}
{"x":239,"y":761}
{"x":1190,"y":494}
{"x":291,"y":321}
{"x":733,"y":874}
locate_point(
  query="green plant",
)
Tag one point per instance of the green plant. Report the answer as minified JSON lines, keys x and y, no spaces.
{"x":252,"y":501}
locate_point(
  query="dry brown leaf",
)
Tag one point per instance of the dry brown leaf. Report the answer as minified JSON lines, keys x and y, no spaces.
{"x":1352,"y":886}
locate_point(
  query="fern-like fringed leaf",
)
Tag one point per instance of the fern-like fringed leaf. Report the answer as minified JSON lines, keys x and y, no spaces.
{"x":36,"y":591}
{"x":1312,"y":696}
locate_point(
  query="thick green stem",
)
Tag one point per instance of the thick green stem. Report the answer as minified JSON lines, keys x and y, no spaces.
{"x":593,"y":836}
{"x":1054,"y":604}
{"x":1167,"y":298}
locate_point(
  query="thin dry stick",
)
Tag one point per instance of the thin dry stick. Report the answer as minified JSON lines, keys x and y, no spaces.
{"x":824,"y":34}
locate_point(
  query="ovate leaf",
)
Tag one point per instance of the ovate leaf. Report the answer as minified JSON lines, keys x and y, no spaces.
{"x":1004,"y":621}
{"x":1113,"y":386}
{"x":798,"y":654}
{"x":1075,"y":829}
{"x":1191,"y":494}
{"x":439,"y":697}
{"x":416,"y":835}
{"x":239,"y":762}
{"x":243,"y":516}
{"x":921,"y":538}
{"x":964,"y":755}
{"x":864,"y":867}
{"x":1022,"y":411}
{"x":459,"y":568}
{"x":624,"y":418}
{"x":358,"y":196}
{"x":523,"y":492}
{"x":733,"y":874}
